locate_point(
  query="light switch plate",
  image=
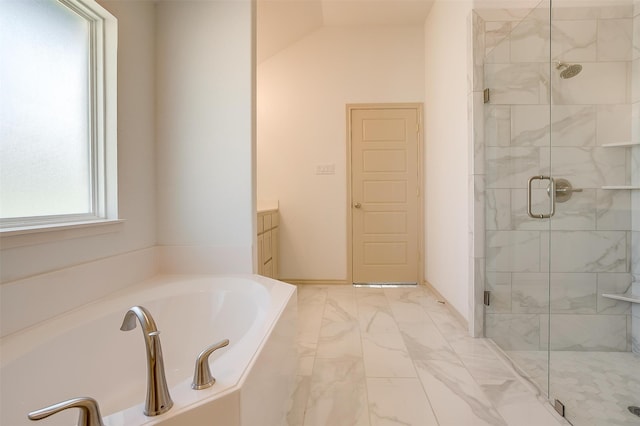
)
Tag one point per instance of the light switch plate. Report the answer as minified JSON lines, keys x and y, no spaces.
{"x":325,"y":169}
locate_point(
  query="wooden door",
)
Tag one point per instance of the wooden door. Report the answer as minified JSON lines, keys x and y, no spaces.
{"x":384,"y":189}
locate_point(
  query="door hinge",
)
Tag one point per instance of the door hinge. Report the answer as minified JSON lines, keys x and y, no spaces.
{"x":487,"y":298}
{"x":559,"y":407}
{"x":487,"y":96}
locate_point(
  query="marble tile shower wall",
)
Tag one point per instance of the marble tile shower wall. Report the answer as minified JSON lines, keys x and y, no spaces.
{"x":589,"y":246}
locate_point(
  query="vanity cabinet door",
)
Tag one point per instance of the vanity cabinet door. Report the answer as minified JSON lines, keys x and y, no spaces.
{"x":268,"y":240}
{"x":266,"y":246}
{"x":260,"y":256}
{"x":275,"y":247}
{"x":268,"y":269}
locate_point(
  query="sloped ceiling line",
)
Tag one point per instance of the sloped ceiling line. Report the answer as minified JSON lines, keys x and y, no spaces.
{"x":281,"y":23}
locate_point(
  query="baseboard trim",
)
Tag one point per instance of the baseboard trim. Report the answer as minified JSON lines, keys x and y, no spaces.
{"x":297,"y":281}
{"x":453,"y":310}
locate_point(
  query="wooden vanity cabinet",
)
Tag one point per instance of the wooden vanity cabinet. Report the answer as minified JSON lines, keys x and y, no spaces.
{"x":268,"y":243}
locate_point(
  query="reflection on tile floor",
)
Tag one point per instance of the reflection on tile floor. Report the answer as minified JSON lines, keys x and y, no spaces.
{"x":397,"y":357}
{"x":595,"y":387}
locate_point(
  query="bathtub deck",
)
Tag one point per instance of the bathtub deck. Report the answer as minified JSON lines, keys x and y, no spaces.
{"x":396,"y":356}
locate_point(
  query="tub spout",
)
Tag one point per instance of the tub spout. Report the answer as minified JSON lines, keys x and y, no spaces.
{"x":158,"y":398}
{"x":89,"y":411}
{"x":202,"y":377}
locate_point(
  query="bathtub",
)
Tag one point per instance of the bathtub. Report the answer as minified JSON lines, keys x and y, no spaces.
{"x":84,"y":353}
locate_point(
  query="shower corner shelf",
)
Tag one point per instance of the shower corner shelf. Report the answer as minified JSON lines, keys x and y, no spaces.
{"x":617,"y":144}
{"x":623,"y":297}
{"x":621,"y":144}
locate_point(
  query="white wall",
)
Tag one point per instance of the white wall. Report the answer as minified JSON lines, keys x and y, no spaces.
{"x":447,"y":202}
{"x":205,"y":144}
{"x":302,"y":93}
{"x":41,"y":280}
{"x":136,"y":159}
{"x":186,"y":186}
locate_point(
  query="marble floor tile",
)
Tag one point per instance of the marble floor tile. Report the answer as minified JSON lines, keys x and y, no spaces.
{"x":312,"y":295}
{"x":399,"y":357}
{"x":310,"y":314}
{"x":377,"y":321}
{"x":340,"y":306}
{"x":468,"y":345}
{"x":455,"y":396}
{"x":305,"y":365}
{"x":374,"y":313}
{"x":446,"y":322}
{"x":398,"y":401}
{"x":516,"y":404}
{"x":595,"y":387}
{"x":534,"y":366}
{"x":417,"y":295}
{"x":422,"y":338}
{"x":486,"y":369}
{"x":385,"y":355}
{"x":338,"y":339}
{"x":337,"y":394}
{"x":307,"y":343}
{"x":409,"y":311}
{"x":295,"y":416}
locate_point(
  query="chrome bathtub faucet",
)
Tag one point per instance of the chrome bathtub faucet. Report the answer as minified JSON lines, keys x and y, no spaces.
{"x":89,"y":411}
{"x":202,"y":377}
{"x":158,"y":398}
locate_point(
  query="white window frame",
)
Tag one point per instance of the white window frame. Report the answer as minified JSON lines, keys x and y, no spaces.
{"x":103,"y":130}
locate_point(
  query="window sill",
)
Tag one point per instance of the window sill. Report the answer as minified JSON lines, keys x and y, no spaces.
{"x":41,"y":234}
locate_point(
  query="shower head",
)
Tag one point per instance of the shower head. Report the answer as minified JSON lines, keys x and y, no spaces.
{"x":568,"y":70}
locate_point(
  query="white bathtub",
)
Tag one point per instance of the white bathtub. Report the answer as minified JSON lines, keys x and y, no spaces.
{"x":84,"y":353}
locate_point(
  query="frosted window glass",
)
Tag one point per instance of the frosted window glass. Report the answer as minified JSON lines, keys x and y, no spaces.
{"x":45,"y":166}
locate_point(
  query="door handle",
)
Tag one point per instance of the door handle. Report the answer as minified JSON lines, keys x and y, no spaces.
{"x":552,"y":196}
{"x":357,"y":205}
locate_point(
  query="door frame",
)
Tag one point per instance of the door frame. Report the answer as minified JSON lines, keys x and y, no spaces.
{"x":349,"y":202}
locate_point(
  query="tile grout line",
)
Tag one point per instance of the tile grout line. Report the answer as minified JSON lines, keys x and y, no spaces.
{"x":315,"y":356}
{"x":364,"y":367}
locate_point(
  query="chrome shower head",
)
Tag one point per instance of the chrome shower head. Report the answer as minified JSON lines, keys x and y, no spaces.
{"x":568,"y":70}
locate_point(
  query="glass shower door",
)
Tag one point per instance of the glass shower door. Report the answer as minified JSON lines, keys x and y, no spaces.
{"x":562,"y":202}
{"x":593,"y":238}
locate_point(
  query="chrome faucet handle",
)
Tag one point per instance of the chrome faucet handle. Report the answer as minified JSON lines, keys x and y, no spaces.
{"x":89,"y":411}
{"x":202,"y":377}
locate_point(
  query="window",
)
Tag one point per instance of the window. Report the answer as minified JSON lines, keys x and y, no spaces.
{"x":57,"y":113}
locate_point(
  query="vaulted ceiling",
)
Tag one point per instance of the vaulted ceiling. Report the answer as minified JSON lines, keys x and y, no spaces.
{"x":283,"y":22}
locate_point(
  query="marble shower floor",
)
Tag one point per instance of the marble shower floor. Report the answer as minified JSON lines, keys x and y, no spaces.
{"x":397,"y":357}
{"x":595,"y":387}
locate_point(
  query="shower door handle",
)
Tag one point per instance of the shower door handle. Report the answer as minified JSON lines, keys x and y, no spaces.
{"x":552,"y":196}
